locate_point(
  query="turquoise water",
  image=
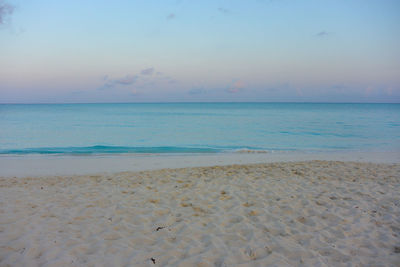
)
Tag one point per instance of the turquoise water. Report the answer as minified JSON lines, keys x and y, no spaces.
{"x":197,"y":127}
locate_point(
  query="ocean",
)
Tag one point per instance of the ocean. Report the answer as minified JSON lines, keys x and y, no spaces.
{"x":88,"y":129}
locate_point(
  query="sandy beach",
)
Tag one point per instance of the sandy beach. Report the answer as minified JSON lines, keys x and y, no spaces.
{"x":199,"y":133}
{"x":313,"y":213}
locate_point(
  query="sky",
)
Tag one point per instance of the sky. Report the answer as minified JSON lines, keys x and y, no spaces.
{"x":191,"y":51}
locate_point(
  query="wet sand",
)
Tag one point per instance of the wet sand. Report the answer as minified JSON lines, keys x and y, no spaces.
{"x":42,"y":165}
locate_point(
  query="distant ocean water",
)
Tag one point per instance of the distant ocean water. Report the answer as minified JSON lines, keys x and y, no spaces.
{"x":197,"y":128}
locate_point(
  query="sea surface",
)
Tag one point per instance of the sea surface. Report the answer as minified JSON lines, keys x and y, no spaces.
{"x":88,"y":129}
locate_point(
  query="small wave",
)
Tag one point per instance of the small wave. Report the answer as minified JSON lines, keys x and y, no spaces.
{"x":99,"y":149}
{"x":108,"y":150}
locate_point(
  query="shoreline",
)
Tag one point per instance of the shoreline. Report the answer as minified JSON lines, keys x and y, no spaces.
{"x":54,"y":165}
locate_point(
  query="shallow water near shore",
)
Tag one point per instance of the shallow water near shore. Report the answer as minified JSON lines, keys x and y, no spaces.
{"x":48,"y":165}
{"x":197,"y":128}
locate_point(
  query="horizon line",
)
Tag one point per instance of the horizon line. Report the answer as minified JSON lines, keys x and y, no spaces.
{"x":194,"y":102}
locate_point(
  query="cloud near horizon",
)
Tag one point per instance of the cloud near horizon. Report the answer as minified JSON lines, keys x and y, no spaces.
{"x":144,"y":79}
{"x":126,"y":80}
{"x":148,"y":71}
{"x":236,"y":87}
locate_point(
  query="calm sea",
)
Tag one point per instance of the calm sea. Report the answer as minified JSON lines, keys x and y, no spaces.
{"x":197,"y":127}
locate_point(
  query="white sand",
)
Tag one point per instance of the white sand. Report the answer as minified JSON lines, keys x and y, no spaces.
{"x":316,"y":213}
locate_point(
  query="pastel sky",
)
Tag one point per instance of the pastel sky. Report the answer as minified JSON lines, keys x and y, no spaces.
{"x":187,"y":50}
